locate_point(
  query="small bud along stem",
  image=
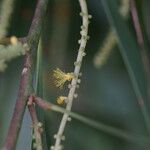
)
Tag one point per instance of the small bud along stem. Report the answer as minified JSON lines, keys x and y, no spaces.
{"x":81,"y":54}
{"x":127,"y":136}
{"x":37,"y":130}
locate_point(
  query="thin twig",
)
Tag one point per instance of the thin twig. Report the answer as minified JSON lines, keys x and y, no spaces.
{"x":138,"y":139}
{"x":24,"y":91}
{"x":140,"y":38}
{"x":36,"y":26}
{"x":81,"y":53}
{"x":26,"y":77}
{"x":37,"y":126}
{"x":144,"y":55}
{"x":136,"y":23}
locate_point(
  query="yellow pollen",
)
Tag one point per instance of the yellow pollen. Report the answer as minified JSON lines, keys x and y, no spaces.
{"x":69,"y":76}
{"x":61,"y":99}
{"x":13,"y":40}
{"x":61,"y":77}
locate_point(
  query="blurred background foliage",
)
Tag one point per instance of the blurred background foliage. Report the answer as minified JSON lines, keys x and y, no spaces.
{"x":106,"y":94}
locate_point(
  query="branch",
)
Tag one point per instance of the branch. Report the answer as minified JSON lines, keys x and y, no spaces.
{"x":81,"y":54}
{"x":138,"y":139}
{"x":37,"y":126}
{"x":140,"y":41}
{"x":26,"y":77}
{"x":36,"y":25}
{"x":24,"y":91}
{"x":140,"y":38}
{"x":136,"y":23}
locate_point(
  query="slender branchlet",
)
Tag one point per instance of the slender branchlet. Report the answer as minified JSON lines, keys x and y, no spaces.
{"x":37,"y":126}
{"x":84,"y":37}
{"x":25,"y":87}
{"x":5,"y":15}
{"x":110,"y":40}
{"x":127,"y":136}
{"x":11,"y":51}
{"x":140,"y":36}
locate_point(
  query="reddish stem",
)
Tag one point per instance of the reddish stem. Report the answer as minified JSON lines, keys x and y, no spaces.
{"x":36,"y":124}
{"x":136,"y":22}
{"x":41,"y":103}
{"x":23,"y":93}
{"x":26,"y":78}
{"x":140,"y":40}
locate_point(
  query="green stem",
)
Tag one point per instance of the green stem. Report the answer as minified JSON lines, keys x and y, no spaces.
{"x":138,"y":139}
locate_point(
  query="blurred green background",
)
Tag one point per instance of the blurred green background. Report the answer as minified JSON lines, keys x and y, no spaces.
{"x":106,"y":94}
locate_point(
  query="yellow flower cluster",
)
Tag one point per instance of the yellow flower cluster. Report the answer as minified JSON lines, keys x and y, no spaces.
{"x":61,"y":99}
{"x":61,"y":77}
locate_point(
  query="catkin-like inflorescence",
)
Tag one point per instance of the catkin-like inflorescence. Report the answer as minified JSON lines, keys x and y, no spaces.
{"x":6,"y":9}
{"x":11,"y":51}
{"x":124,"y":8}
{"x":103,"y":54}
{"x":110,"y":40}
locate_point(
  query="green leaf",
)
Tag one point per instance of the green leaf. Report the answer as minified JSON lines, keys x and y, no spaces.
{"x":131,"y":55}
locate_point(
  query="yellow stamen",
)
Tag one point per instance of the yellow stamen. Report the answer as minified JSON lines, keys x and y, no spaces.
{"x":61,"y":77}
{"x":13,"y":40}
{"x":61,"y":99}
